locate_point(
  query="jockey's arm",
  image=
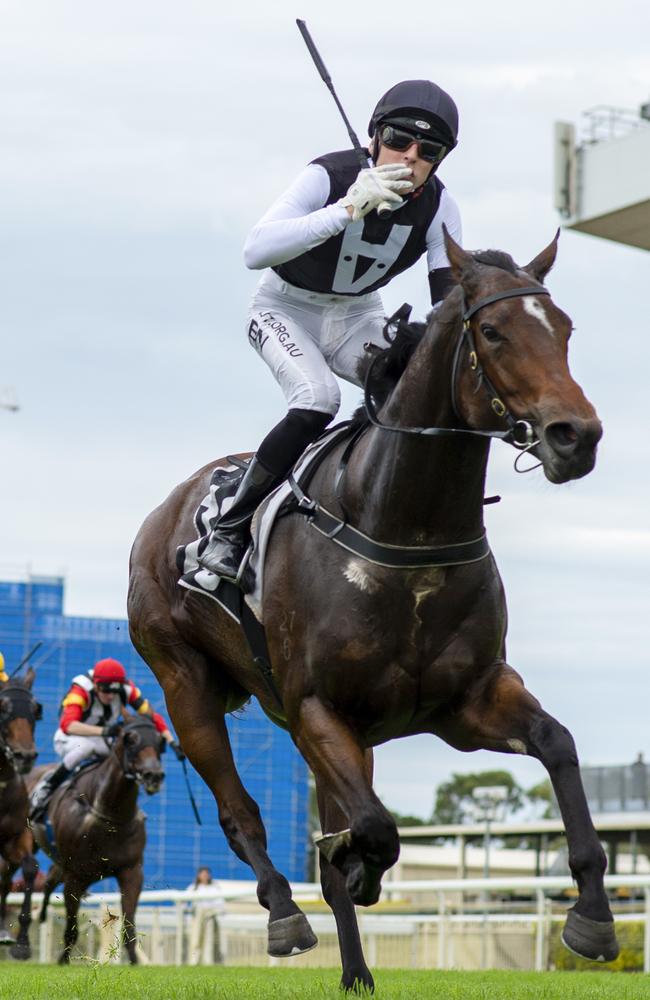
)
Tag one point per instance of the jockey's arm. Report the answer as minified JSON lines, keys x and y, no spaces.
{"x":298,"y":221}
{"x":74,"y":704}
{"x":440,"y":279}
{"x":142,"y":706}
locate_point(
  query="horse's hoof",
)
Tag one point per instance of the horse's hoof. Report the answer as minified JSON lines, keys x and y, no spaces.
{"x":6,"y":938}
{"x":290,"y":936}
{"x":20,"y":951}
{"x":591,"y":939}
{"x":359,"y":983}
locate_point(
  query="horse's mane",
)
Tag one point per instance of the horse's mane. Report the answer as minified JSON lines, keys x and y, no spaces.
{"x":392,"y":361}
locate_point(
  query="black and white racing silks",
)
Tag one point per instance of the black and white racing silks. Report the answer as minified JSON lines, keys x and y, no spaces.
{"x":318,"y":302}
{"x":310,"y":241}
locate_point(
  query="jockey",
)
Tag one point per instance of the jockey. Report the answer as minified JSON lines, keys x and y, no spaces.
{"x":325,"y":251}
{"x":4,"y":676}
{"x":92,"y":714}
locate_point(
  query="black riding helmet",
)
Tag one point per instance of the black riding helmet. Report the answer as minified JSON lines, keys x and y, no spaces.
{"x":426,"y":104}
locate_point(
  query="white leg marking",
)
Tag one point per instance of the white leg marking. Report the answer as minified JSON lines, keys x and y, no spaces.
{"x":517,"y":745}
{"x":535,"y":309}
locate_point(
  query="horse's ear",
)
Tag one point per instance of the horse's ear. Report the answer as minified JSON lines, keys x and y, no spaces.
{"x":29,"y":678}
{"x":463,"y":265}
{"x":543,"y":262}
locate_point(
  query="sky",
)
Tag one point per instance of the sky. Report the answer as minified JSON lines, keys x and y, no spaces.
{"x":140,"y":142}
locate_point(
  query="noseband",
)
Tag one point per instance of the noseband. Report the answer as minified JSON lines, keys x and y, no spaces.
{"x":127,"y":763}
{"x":520,"y":433}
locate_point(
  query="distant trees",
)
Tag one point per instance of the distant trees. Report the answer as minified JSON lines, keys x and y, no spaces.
{"x":455,"y":801}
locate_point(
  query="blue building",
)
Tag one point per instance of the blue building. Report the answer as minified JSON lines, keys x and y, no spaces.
{"x":269,"y":765}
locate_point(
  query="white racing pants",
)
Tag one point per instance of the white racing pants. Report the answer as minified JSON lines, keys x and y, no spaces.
{"x":305,"y":336}
{"x":73,"y":749}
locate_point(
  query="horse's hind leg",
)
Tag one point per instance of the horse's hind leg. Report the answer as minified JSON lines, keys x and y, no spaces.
{"x":355,"y":971}
{"x":506,"y":717}
{"x":340,"y":766}
{"x":196,"y":707}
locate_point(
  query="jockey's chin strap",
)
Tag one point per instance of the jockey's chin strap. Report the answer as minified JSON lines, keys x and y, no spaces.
{"x":520,"y":433}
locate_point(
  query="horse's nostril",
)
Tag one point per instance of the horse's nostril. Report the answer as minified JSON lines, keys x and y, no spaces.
{"x":563,"y":437}
{"x":566,"y":437}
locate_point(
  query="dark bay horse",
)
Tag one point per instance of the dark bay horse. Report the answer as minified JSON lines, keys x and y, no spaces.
{"x":363,"y":652}
{"x":99,"y":830}
{"x":19,"y":712}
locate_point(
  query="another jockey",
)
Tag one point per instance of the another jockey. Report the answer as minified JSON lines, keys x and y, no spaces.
{"x":326,"y":251}
{"x":92,"y":714}
{"x":4,"y":676}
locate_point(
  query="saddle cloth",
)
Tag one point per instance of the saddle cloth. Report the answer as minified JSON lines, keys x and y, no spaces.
{"x":223,"y":485}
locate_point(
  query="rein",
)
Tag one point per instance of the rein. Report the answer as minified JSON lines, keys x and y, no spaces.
{"x":520,"y":433}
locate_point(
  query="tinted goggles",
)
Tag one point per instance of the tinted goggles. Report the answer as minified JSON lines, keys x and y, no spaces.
{"x":112,"y":687}
{"x":399,"y":138}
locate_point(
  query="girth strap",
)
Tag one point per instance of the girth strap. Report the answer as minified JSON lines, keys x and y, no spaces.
{"x":390,"y":556}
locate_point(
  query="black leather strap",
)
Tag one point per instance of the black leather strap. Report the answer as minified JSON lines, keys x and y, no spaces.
{"x":396,"y":556}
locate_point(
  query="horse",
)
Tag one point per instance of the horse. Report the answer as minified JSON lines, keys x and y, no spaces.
{"x":98,"y":830}
{"x":405,"y":633}
{"x":19,"y":713}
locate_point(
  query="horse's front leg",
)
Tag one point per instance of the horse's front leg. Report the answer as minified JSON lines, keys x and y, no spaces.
{"x":371,"y":845}
{"x":504,"y":716}
{"x":52,"y":879}
{"x":130,"y":882}
{"x":72,"y":893}
{"x":7,"y":870}
{"x":22,"y":949}
{"x":355,"y":971}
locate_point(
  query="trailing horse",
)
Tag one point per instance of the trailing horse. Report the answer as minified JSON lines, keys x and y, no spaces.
{"x":98,"y":830}
{"x":383,"y":607}
{"x":19,"y":712}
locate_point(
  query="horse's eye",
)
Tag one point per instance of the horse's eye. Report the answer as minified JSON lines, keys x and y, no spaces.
{"x":490,"y":334}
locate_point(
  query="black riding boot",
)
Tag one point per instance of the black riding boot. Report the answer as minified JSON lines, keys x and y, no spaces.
{"x":279,"y":451}
{"x":228,"y":542}
{"x":44,"y":791}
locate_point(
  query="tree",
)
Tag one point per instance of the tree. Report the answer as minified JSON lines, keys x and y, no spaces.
{"x":403,"y":819}
{"x":454,"y":798}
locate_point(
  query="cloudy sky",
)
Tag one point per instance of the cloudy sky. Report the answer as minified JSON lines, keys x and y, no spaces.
{"x":140,"y":141}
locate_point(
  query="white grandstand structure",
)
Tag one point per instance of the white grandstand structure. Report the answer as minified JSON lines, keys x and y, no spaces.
{"x":602,"y":174}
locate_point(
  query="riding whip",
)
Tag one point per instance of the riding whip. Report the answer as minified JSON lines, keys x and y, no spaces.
{"x":383,"y":209}
{"x":25,"y":659}
{"x":189,"y":792}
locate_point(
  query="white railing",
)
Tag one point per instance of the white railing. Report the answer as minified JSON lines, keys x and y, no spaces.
{"x":442,"y":923}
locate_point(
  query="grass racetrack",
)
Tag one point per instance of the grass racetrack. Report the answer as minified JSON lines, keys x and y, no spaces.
{"x":101,"y":982}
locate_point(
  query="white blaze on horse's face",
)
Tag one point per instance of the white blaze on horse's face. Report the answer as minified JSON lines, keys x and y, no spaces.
{"x":535,"y":309}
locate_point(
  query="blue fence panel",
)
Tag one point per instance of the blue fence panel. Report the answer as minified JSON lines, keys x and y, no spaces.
{"x":270,"y":767}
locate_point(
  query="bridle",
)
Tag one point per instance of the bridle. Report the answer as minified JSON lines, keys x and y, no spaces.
{"x":23,"y":706}
{"x":520,"y":433}
{"x":127,"y":762}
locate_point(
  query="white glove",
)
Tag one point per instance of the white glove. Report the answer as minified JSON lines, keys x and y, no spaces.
{"x":376,"y":185}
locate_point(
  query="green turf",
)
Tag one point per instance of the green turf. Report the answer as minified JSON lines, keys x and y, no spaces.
{"x":39,"y":982}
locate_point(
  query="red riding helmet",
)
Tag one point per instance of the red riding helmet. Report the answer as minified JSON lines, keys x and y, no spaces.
{"x":108,"y":672}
